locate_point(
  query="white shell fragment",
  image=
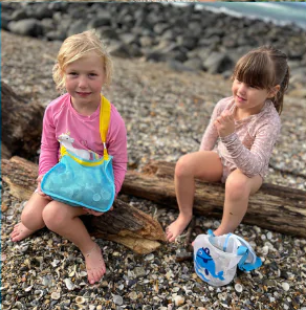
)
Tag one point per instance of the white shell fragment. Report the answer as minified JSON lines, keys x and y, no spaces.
{"x":179,"y":300}
{"x":55,"y":295}
{"x":238,"y":288}
{"x":285,"y":286}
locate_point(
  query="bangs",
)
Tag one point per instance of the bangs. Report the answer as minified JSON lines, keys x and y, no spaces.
{"x":254,"y":69}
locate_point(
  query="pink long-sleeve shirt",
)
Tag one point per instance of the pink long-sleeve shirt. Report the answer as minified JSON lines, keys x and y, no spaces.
{"x":250,"y":147}
{"x":60,"y":117}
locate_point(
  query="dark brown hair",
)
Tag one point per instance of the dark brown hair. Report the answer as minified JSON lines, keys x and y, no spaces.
{"x":264,"y":68}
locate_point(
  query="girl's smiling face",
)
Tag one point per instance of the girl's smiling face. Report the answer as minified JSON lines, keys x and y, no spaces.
{"x":250,"y":99}
{"x":84,"y":80}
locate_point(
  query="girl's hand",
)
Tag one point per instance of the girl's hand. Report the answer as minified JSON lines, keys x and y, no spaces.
{"x":38,"y":189}
{"x":225,"y":123}
{"x":96,"y":213}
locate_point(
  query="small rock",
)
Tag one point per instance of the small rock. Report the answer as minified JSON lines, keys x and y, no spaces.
{"x":118,"y":300}
{"x":139,"y":272}
{"x":179,"y":300}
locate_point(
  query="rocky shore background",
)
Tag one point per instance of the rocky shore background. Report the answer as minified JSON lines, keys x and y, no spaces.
{"x":186,"y":38}
{"x":166,"y":104}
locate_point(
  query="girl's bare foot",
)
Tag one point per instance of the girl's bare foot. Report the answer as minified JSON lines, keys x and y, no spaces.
{"x":20,"y":232}
{"x":177,"y":227}
{"x":94,"y":264}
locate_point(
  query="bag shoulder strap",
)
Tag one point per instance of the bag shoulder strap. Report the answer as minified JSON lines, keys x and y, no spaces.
{"x":105,"y":113}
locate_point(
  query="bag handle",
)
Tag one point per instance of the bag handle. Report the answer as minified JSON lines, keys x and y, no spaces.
{"x":105,"y":112}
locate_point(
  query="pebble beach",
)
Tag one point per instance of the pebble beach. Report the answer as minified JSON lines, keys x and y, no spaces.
{"x":166,"y":112}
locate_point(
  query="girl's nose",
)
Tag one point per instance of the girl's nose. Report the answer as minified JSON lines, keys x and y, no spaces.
{"x":82,"y":81}
{"x":242,"y":88}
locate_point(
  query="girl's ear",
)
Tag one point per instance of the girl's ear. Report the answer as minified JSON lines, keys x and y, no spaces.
{"x":273,"y":91}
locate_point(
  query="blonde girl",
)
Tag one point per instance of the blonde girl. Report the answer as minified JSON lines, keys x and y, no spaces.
{"x":83,"y":67}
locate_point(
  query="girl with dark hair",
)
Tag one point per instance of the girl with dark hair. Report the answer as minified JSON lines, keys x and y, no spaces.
{"x":238,"y":142}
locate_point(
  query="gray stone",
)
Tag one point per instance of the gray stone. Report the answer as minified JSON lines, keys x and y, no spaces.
{"x":194,"y":64}
{"x":102,"y":19}
{"x":18,"y":15}
{"x":77,"y":27}
{"x":28,"y":27}
{"x":217,"y":62}
{"x":139,"y":272}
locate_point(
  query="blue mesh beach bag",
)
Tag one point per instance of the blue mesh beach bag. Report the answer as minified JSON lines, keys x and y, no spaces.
{"x":216,"y":257}
{"x":82,"y":178}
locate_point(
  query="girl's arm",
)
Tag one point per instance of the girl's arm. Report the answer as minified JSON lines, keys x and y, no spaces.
{"x":49,"y":144}
{"x":251,"y":162}
{"x":117,"y":147}
{"x":211,"y":134}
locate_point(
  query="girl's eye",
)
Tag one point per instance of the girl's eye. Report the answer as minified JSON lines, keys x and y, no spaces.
{"x":92,"y":74}
{"x":72,"y":73}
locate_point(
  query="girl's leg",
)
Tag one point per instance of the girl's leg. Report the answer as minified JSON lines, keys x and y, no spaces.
{"x":204,"y":165}
{"x":238,"y":188}
{"x":64,"y":220}
{"x":31,"y":218}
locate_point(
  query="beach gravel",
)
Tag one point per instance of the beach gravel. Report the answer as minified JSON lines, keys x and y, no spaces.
{"x":166,"y":112}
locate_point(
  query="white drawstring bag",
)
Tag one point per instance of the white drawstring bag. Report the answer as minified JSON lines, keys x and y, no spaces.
{"x":216,"y":257}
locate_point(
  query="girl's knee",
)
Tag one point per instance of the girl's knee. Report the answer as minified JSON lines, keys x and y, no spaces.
{"x":236,"y":187}
{"x":54,"y":215}
{"x":31,"y":216}
{"x":183,"y":167}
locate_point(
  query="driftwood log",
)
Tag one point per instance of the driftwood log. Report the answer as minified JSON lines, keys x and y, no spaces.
{"x":125,"y":224}
{"x":21,"y":124}
{"x":273,"y":207}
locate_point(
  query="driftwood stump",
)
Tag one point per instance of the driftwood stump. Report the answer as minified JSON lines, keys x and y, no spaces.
{"x":273,"y":207}
{"x":125,"y":224}
{"x":21,"y":124}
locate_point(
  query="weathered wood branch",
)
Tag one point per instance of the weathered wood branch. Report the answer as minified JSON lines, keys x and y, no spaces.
{"x":125,"y":224}
{"x":273,"y":207}
{"x":21,"y":124}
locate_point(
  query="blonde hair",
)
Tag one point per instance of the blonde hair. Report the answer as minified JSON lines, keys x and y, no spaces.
{"x":264,"y":68}
{"x":74,"y":48}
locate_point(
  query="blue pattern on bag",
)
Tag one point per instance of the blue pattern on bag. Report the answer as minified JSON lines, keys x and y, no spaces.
{"x":205,"y":261}
{"x":80,"y":185}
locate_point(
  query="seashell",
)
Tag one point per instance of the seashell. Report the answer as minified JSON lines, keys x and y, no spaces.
{"x":3,"y":257}
{"x":238,"y":288}
{"x":265,"y":250}
{"x":40,"y":293}
{"x":55,"y":263}
{"x":27,"y":289}
{"x":285,"y":286}
{"x":69,"y":284}
{"x":55,"y":295}
{"x":175,"y":289}
{"x":116,"y":254}
{"x":149,"y":257}
{"x":80,"y":300}
{"x":269,"y":235}
{"x":179,"y":300}
{"x":82,"y":274}
{"x":133,"y":295}
{"x":71,"y":274}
